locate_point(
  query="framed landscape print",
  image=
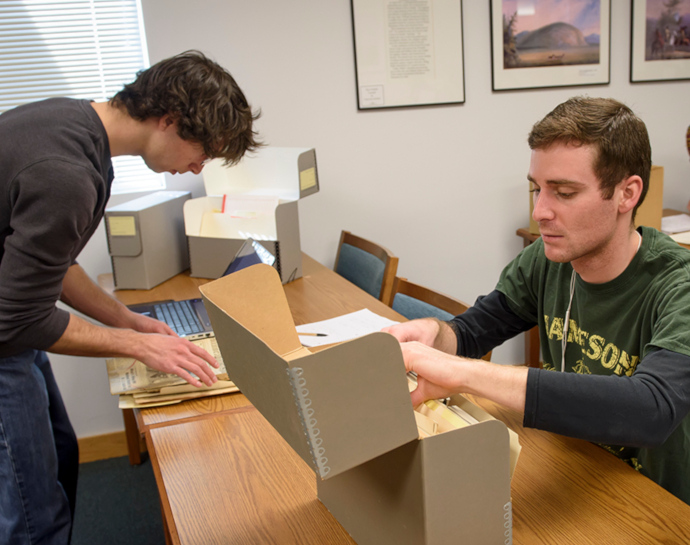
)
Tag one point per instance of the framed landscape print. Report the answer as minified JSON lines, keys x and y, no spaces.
{"x":660,"y":44}
{"x":408,"y":52}
{"x":549,"y":43}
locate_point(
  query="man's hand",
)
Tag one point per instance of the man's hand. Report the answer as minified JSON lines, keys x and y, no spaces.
{"x":180,"y":357}
{"x":438,"y":374}
{"x":146,"y":324}
{"x":163,"y":352}
{"x":441,"y":375}
{"x":423,"y":331}
{"x":428,"y":331}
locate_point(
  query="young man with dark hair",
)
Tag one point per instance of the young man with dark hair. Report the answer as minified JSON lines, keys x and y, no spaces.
{"x":55,"y":178}
{"x":612,"y":304}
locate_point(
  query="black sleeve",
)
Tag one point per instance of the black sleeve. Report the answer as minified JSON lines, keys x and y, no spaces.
{"x":638,"y":411}
{"x":486,"y":325}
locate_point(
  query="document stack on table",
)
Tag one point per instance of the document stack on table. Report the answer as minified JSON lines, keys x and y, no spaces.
{"x":140,"y":386}
{"x":678,"y":227}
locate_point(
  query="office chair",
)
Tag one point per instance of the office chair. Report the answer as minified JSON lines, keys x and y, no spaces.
{"x":367,"y":265}
{"x":414,"y":301}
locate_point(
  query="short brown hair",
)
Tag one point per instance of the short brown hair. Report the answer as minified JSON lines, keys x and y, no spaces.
{"x":618,"y":136}
{"x":202,"y":97}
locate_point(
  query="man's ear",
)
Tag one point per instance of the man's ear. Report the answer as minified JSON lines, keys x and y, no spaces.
{"x":630,"y":193}
{"x":165,"y":121}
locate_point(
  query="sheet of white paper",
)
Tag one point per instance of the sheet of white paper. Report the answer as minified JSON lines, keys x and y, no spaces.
{"x":343,"y":328}
{"x":682,"y":238}
{"x":675,"y":224}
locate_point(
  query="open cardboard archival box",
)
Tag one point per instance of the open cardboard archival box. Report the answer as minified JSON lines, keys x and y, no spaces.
{"x":346,"y":410}
{"x":260,"y":196}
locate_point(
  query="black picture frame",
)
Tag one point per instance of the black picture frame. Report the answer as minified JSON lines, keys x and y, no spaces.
{"x":408,"y":57}
{"x":550,"y":51}
{"x":659,"y":42}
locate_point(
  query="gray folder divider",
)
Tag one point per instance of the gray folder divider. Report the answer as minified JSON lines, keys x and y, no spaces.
{"x":346,"y":410}
{"x":337,"y":408}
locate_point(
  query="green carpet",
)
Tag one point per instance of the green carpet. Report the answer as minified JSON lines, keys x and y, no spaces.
{"x":117,"y":504}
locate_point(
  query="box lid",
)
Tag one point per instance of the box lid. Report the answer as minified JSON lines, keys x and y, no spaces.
{"x":337,"y":408}
{"x":287,"y":173}
{"x":147,"y":201}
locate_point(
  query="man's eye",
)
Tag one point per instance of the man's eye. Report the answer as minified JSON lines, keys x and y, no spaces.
{"x":565,"y":195}
{"x":534,"y":190}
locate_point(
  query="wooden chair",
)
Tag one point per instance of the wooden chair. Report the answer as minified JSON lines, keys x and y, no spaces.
{"x":414,"y":301}
{"x":367,"y":265}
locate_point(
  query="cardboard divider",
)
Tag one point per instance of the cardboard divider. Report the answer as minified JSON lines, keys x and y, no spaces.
{"x":321,"y":403}
{"x":346,"y":410}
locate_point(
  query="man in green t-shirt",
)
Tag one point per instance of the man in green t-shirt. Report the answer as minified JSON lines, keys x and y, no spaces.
{"x":612,"y":304}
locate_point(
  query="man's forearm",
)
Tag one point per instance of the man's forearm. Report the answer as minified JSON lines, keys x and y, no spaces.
{"x":166,"y":353}
{"x":82,"y":338}
{"x":446,"y":339}
{"x":503,"y":384}
{"x":83,"y":295}
{"x":440,"y":375}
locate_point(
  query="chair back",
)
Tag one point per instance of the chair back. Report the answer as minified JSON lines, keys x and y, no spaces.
{"x":367,"y":265}
{"x":414,"y":301}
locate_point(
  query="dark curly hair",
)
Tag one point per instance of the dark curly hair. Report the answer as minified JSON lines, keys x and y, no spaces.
{"x":202,"y":97}
{"x":619,"y":137}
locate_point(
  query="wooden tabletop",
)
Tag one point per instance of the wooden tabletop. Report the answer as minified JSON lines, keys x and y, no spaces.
{"x":232,"y":479}
{"x":225,"y":476}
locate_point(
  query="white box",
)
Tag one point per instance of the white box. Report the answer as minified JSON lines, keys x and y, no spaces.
{"x":261,"y":194}
{"x":146,"y":239}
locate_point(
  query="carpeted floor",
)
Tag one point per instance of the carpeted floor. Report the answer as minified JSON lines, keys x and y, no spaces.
{"x":117,"y":504}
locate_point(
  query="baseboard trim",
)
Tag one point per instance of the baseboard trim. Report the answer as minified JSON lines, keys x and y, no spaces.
{"x":101,"y":447}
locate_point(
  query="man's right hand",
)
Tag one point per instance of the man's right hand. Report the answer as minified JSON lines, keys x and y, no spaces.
{"x":179,"y":357}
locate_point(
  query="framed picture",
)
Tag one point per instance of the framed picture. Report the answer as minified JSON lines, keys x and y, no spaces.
{"x":408,"y":53}
{"x":660,"y":45}
{"x":550,"y":43}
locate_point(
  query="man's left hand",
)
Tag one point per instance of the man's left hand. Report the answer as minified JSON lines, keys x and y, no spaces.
{"x":145,"y":324}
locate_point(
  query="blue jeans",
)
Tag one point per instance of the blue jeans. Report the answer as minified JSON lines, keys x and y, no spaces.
{"x":39,"y":455}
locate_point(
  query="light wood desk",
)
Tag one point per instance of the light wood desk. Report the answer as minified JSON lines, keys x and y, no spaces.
{"x":227,"y":477}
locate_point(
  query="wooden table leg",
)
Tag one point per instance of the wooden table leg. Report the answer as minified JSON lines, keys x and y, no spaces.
{"x":132,"y":434}
{"x":166,"y":529}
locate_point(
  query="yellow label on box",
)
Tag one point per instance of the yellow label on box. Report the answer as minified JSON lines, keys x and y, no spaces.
{"x":307,"y":178}
{"x":122,"y":226}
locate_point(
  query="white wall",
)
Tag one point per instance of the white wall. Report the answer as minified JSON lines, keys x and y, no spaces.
{"x":443,"y":187}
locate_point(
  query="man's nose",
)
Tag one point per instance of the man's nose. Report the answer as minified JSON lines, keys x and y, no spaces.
{"x":542,"y":208}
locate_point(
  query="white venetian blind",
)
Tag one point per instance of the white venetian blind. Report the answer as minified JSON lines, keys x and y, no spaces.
{"x":80,"y":49}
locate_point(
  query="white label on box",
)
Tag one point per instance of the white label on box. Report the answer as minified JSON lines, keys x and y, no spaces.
{"x":122,"y":226}
{"x":307,"y":178}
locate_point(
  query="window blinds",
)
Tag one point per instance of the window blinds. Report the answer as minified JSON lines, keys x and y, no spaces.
{"x":80,"y":49}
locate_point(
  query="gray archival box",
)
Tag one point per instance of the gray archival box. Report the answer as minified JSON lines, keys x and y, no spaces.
{"x":146,"y":239}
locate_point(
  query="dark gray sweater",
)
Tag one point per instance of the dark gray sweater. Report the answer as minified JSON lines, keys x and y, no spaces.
{"x":55,"y":178}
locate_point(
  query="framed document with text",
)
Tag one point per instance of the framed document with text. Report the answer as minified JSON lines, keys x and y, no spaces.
{"x":408,"y":52}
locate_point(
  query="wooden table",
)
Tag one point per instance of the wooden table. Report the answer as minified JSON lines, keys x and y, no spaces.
{"x":225,"y":476}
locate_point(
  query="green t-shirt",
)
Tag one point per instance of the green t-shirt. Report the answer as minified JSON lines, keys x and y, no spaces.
{"x":612,"y":327}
